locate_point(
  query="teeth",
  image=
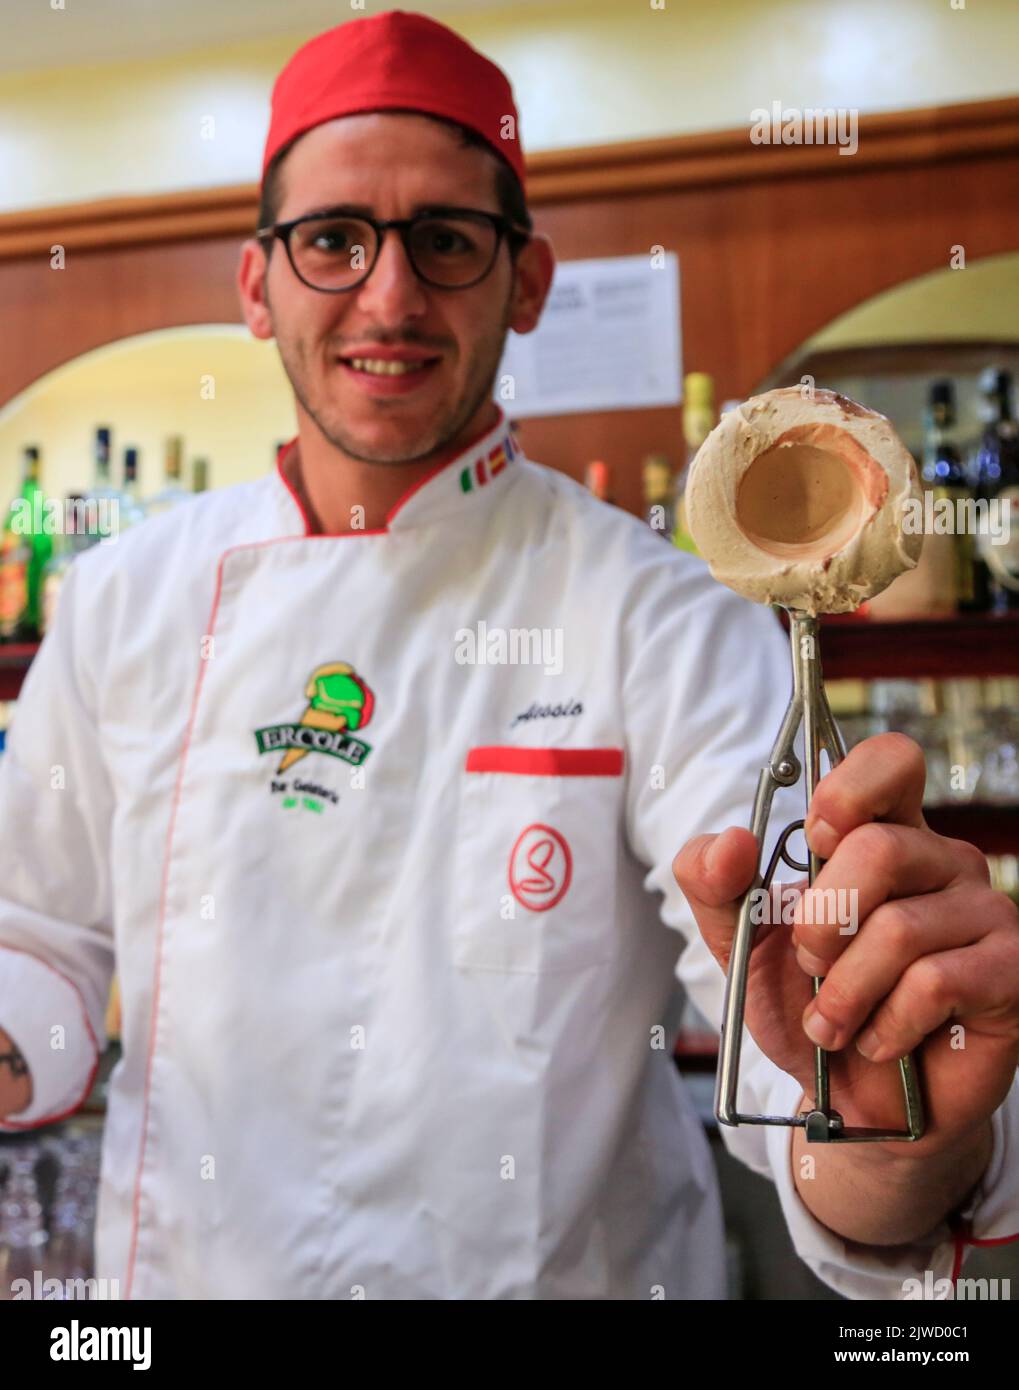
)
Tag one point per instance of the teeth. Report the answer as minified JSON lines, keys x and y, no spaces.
{"x":381,"y":367}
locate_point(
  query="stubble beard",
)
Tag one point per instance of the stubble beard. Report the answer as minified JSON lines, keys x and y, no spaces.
{"x":438,"y":436}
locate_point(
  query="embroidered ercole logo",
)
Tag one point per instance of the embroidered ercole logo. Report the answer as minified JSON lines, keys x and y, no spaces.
{"x":339,"y":702}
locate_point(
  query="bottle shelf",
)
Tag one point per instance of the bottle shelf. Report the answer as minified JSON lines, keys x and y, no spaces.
{"x":974,"y":645}
{"x":965,"y":646}
{"x":15,"y":659}
{"x":937,"y":648}
{"x":993,"y":829}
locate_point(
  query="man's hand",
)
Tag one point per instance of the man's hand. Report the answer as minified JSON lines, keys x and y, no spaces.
{"x":933,"y":967}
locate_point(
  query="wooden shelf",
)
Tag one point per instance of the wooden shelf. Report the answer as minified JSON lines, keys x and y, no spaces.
{"x":696,"y":1051}
{"x":965,"y":646}
{"x":981,"y":645}
{"x":994,"y":829}
{"x":977,"y":645}
{"x":15,"y":659}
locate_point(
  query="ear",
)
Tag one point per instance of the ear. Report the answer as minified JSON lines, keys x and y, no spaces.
{"x":532,"y":281}
{"x":252,"y":275}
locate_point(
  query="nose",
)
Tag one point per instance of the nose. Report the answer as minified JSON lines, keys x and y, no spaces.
{"x":392,"y":291}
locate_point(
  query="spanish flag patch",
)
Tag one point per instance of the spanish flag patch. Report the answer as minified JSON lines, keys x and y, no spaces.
{"x":489,"y":465}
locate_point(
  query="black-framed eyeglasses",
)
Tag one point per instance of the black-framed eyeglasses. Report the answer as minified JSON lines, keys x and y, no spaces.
{"x":448,"y":248}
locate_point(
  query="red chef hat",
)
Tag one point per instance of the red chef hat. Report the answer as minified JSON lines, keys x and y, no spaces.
{"x":394,"y":62}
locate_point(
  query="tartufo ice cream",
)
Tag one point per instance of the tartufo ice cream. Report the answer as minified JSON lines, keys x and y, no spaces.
{"x":798,"y":499}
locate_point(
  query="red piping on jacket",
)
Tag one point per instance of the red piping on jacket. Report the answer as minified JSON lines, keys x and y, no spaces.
{"x":210,"y":628}
{"x":962,"y":1232}
{"x":400,"y":502}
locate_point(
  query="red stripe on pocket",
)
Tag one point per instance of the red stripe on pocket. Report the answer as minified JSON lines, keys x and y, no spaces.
{"x":547,"y":762}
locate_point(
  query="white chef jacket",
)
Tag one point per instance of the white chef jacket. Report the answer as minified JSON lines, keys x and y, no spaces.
{"x":398,"y":1020}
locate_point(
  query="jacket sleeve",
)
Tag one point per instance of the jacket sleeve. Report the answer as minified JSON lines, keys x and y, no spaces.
{"x":706,"y":680}
{"x":56,"y":809}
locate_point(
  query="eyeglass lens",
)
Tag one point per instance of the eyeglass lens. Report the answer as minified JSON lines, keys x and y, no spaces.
{"x":333,"y":253}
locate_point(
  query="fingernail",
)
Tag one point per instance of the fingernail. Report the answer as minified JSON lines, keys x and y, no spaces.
{"x":819,"y":1029}
{"x":813,"y":965}
{"x":711,"y":857}
{"x":821,"y":832}
{"x":867,"y":1044}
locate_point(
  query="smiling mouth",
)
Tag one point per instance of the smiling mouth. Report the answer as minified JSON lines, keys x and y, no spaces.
{"x":379,"y":366}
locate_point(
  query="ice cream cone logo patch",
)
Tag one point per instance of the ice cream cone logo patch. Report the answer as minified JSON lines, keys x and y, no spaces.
{"x":339,"y":702}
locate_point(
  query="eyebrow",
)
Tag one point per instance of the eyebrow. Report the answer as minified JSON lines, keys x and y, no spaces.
{"x":364,"y":210}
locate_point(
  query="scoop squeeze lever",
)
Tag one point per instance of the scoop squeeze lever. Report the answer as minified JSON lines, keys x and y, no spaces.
{"x":808,"y":706}
{"x":798,"y":498}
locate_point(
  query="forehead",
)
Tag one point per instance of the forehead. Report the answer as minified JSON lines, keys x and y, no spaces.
{"x":380,"y":158}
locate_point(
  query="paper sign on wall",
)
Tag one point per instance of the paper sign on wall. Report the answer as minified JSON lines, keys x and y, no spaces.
{"x":608,"y":340}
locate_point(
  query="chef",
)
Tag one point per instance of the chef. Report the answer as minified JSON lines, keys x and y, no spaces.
{"x":398,"y":966}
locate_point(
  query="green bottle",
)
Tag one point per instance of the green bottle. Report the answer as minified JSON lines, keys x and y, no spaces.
{"x":698,"y":422}
{"x":41,"y":542}
{"x":26,"y":548}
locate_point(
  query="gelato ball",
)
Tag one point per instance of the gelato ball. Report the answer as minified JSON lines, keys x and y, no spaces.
{"x":799,"y":498}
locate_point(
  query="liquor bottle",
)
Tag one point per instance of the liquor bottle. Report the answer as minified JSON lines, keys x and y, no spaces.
{"x":698,"y":422}
{"x":598,"y":479}
{"x":999,"y":773}
{"x":23,"y":1237}
{"x":24,"y":551}
{"x":966,"y":738}
{"x":15,"y":554}
{"x":70,"y":543}
{"x":113,"y":1011}
{"x":131,"y":509}
{"x":849,"y":700}
{"x":658,"y":489}
{"x":52,"y":578}
{"x":200,"y":475}
{"x":996,"y":484}
{"x":173,"y":490}
{"x":103,"y":500}
{"x":40,"y":541}
{"x":946,"y":475}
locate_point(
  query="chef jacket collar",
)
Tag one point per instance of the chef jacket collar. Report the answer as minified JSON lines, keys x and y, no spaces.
{"x":467,"y":482}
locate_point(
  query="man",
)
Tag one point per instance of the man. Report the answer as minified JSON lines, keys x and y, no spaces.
{"x":395,"y":997}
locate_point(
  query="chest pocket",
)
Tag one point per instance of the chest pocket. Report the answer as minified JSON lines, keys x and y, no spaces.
{"x":539,"y":837}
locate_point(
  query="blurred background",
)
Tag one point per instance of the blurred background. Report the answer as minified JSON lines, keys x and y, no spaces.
{"x":885,"y":266}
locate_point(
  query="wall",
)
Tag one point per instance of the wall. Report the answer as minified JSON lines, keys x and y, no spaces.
{"x":584,"y":74}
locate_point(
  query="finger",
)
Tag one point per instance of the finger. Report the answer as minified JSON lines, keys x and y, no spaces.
{"x":873,"y":864}
{"x":881,"y":779}
{"x":895,"y":935}
{"x":974,"y":981}
{"x":714,"y":872}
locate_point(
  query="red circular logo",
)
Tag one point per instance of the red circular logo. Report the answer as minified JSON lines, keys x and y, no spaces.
{"x":540,"y":868}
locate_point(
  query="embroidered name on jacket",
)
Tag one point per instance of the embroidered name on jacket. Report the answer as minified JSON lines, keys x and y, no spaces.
{"x":339,"y":702}
{"x":548,"y":712}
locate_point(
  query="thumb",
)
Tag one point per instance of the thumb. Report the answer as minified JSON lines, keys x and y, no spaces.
{"x":714,"y":872}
